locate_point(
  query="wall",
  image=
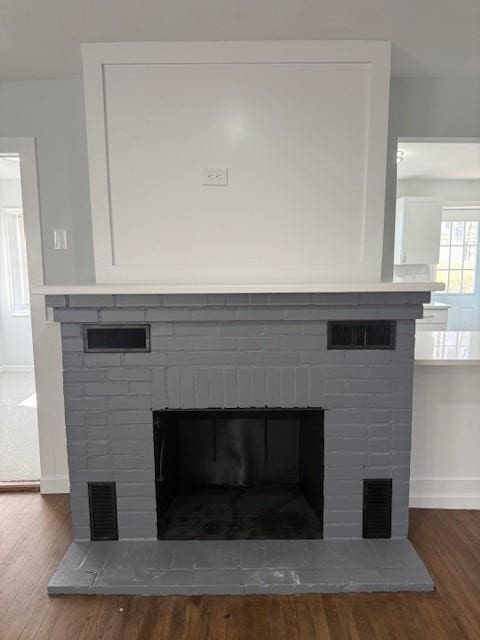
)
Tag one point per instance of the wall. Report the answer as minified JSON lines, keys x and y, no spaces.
{"x":425,"y":107}
{"x":465,"y":312}
{"x":52,"y":111}
{"x":15,"y":331}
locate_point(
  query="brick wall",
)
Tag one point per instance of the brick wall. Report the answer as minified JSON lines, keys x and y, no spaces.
{"x":238,"y":351}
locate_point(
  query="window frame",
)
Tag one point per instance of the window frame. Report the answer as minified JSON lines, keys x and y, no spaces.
{"x":459,"y":212}
{"x":22,"y":309}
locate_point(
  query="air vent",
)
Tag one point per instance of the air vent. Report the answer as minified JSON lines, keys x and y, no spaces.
{"x":368,"y":334}
{"x":103,"y":511}
{"x":377,"y":508}
{"x":116,"y":338}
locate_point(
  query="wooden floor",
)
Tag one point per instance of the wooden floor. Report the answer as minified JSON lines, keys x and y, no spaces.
{"x":35,"y":532}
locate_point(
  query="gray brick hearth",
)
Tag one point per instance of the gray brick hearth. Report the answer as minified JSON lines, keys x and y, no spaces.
{"x":228,"y":351}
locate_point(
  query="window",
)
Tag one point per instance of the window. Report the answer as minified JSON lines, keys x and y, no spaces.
{"x":458,"y":255}
{"x":16,"y":261}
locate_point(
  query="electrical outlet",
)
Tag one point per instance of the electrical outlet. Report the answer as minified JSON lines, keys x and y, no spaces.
{"x":215,"y":177}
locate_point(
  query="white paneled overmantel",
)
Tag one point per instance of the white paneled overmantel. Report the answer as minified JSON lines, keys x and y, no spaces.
{"x":296,"y":130}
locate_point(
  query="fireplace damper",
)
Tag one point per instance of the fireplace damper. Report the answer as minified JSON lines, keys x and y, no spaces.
{"x":239,"y":473}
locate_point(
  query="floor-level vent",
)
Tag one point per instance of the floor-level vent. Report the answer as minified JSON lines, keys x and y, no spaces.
{"x":377,"y":508}
{"x":116,"y":338}
{"x":359,"y":334}
{"x":103,"y":510}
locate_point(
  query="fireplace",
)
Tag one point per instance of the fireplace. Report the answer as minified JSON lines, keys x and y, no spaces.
{"x":239,"y":474}
{"x":245,"y":438}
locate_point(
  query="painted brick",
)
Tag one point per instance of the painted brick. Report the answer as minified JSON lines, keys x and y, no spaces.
{"x":138,"y":300}
{"x":261,"y":314}
{"x":202,"y":388}
{"x":72,"y":360}
{"x":187,"y":387}
{"x":106,"y":388}
{"x":214,"y":315}
{"x":244,"y":391}
{"x":217,"y":388}
{"x":84,"y":375}
{"x":76,"y":315}
{"x":185,"y":300}
{"x":132,"y":373}
{"x":71,"y":330}
{"x":72,"y":390}
{"x":259,"y":386}
{"x":100,"y":360}
{"x":240,"y":350}
{"x":79,"y":301}
{"x":260,"y":343}
{"x":56,"y":301}
{"x":94,"y":418}
{"x":122,"y":315}
{"x":130,"y":417}
{"x":84,"y":404}
{"x":239,"y":329}
{"x":145,"y":359}
{"x":130,"y":447}
{"x":168,"y":315}
{"x":161,"y":329}
{"x":130,"y":402}
{"x":140,"y":388}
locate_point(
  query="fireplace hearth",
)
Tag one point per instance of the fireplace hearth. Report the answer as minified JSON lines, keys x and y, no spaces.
{"x":239,"y":474}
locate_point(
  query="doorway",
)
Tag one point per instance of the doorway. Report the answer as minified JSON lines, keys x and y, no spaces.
{"x":19,"y":446}
{"x":437,"y":233}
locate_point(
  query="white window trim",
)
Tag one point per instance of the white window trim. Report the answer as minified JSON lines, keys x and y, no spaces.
{"x":464,"y":211}
{"x":14,"y":311}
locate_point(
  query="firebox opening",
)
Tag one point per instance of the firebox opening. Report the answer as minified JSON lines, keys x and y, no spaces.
{"x":239,"y":473}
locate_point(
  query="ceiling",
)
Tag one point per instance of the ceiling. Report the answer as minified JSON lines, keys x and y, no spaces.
{"x":9,"y":168}
{"x":439,"y":161}
{"x":41,"y":39}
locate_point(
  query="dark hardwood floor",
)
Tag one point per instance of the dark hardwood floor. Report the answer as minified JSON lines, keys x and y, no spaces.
{"x":35,"y":532}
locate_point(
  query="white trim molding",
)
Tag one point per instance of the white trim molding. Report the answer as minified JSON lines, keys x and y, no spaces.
{"x":47,"y":354}
{"x":98,"y":62}
{"x":54,"y":484}
{"x":445,"y":493}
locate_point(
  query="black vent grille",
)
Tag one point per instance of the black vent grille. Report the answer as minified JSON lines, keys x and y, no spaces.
{"x":377,"y":508}
{"x":103,"y":510}
{"x":368,"y":334}
{"x":116,"y":338}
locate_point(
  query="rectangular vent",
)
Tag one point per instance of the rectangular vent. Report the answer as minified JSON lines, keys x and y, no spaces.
{"x":116,"y":338}
{"x":377,"y":508}
{"x":361,"y":334}
{"x":102,"y":500}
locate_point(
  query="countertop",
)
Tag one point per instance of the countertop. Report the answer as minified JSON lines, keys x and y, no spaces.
{"x":436,"y":305}
{"x":447,"y":348}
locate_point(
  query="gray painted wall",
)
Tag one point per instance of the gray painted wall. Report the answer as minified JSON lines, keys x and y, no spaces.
{"x":53,"y":112}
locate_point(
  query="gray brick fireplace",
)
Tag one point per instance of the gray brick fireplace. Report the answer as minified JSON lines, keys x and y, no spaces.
{"x":238,"y":351}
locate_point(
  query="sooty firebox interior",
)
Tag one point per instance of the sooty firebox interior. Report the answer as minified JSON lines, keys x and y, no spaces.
{"x":239,"y":473}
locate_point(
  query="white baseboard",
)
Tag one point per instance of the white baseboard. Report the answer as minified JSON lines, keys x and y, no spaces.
{"x":16,"y":368}
{"x":445,"y":493}
{"x":54,"y":484}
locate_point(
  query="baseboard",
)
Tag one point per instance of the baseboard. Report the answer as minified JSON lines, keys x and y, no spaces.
{"x":445,"y":493}
{"x":54,"y":484}
{"x":16,"y":368}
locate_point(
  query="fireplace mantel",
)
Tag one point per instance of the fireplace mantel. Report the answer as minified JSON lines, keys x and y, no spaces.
{"x":119,"y":289}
